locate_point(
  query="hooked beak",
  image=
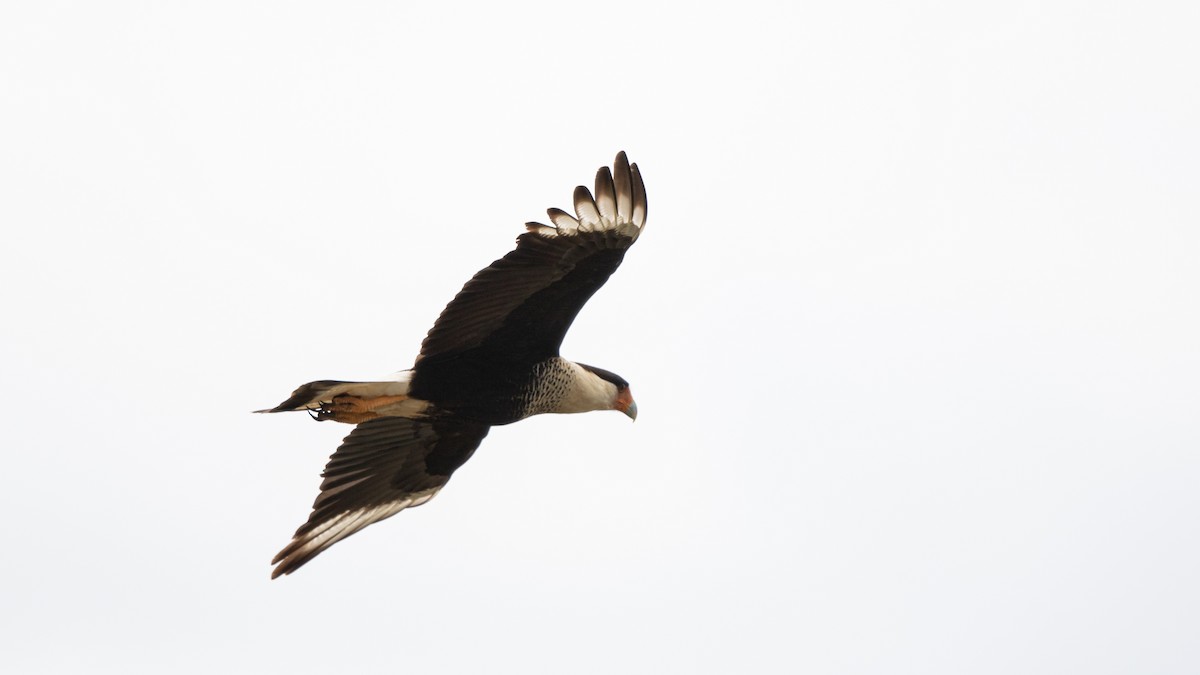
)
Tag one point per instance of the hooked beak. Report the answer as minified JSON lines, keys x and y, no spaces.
{"x":626,"y":404}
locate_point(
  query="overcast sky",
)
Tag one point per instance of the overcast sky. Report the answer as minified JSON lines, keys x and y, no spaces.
{"x":913,"y":331}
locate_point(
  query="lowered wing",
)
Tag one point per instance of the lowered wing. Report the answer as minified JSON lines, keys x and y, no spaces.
{"x":383,"y":467}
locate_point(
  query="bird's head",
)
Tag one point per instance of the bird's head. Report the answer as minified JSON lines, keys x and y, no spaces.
{"x":623,"y":398}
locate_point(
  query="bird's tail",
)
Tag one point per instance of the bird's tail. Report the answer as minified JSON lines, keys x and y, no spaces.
{"x":354,"y":402}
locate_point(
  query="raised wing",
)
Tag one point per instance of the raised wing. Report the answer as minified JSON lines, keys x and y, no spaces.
{"x":521,"y":306}
{"x":383,"y":467}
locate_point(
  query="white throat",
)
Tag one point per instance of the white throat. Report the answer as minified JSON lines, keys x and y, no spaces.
{"x":586,"y":391}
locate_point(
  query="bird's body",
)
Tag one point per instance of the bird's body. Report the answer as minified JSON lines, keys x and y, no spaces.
{"x":490,"y":359}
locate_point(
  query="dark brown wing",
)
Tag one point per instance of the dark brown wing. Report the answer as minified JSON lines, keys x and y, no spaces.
{"x":383,"y":467}
{"x":522,"y":305}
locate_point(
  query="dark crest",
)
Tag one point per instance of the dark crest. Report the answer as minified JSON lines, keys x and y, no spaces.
{"x":606,"y":375}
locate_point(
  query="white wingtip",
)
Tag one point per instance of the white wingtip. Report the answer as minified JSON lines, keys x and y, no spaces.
{"x":563,"y":220}
{"x":306,"y":545}
{"x":606,"y":198}
{"x":623,"y":184}
{"x":619,"y":205}
{"x":639,"y":198}
{"x":544,"y":230}
{"x":585,"y":209}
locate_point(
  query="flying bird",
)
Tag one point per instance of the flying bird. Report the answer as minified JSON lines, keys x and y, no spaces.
{"x":491,"y":358}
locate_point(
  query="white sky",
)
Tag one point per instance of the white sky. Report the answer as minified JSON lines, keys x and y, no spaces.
{"x":913,"y":330}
